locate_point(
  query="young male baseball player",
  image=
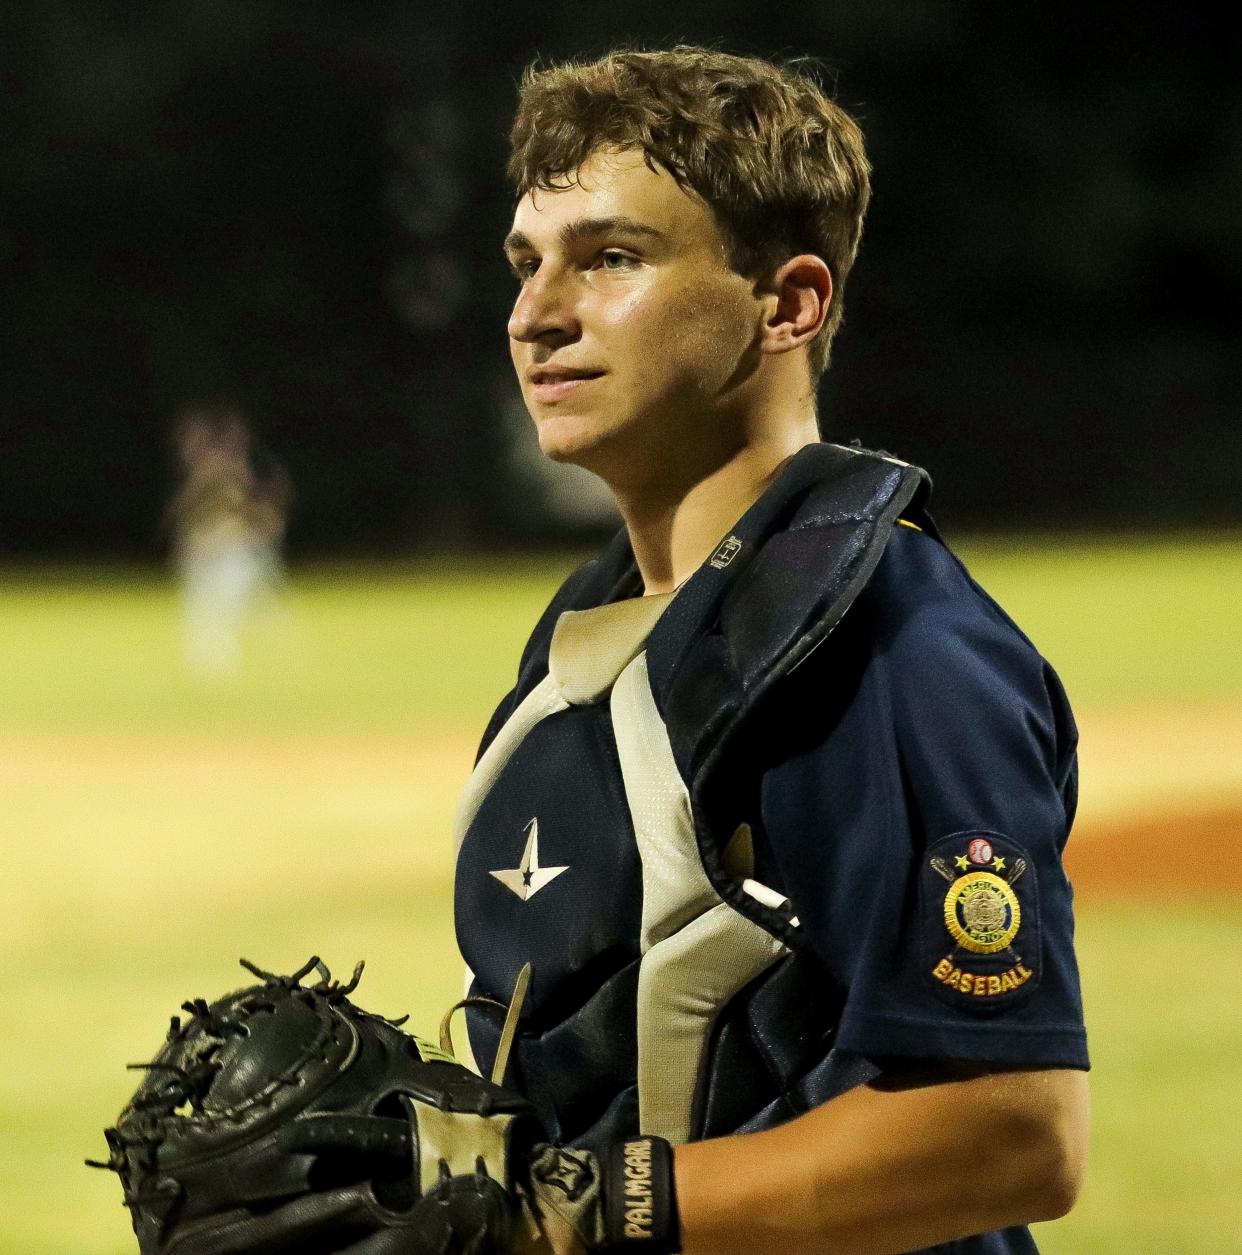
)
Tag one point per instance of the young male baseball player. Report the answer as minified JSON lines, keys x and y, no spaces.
{"x":776,"y":808}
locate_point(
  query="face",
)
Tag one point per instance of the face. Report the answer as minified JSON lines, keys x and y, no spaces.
{"x":631,"y":336}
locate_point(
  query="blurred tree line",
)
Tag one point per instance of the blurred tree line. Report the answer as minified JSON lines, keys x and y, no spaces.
{"x":295,"y":209}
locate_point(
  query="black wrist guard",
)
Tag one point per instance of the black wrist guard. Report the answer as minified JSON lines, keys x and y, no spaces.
{"x":640,"y":1202}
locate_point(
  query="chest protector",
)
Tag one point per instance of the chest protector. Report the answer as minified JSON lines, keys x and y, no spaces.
{"x":597,"y":841}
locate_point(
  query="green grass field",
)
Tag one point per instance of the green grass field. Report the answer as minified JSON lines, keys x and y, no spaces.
{"x":158,"y":827}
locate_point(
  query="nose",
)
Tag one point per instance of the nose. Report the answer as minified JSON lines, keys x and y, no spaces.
{"x":544,"y":311}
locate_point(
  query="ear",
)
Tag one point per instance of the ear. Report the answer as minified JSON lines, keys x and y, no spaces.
{"x":802,"y":288}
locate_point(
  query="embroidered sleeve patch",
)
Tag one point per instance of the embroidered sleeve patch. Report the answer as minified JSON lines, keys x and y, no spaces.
{"x":981,"y":943}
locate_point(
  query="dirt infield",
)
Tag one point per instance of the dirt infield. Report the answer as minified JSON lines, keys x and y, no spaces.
{"x":1158,"y":761}
{"x":1162,"y":857}
{"x":1162,"y":816}
{"x":1160,"y":812}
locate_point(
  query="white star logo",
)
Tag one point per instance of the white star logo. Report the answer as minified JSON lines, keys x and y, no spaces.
{"x":527,"y":878}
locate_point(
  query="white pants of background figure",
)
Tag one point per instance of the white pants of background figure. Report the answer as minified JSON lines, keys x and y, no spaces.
{"x":225,"y":576}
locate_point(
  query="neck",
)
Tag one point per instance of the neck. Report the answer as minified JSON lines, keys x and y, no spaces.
{"x":674,"y":526}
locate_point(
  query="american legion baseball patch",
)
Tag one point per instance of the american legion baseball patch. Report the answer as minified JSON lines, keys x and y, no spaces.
{"x":981,"y":941}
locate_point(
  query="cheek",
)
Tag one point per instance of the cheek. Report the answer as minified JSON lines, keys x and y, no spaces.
{"x":694,"y":335}
{"x":709,"y":334}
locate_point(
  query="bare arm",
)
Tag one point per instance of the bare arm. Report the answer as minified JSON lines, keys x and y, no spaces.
{"x":880,"y":1171}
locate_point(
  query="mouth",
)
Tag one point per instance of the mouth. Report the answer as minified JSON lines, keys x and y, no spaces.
{"x":548,"y":383}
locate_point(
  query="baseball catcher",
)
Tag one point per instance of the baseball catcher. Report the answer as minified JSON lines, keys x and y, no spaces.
{"x":283,"y":1117}
{"x":775,"y":807}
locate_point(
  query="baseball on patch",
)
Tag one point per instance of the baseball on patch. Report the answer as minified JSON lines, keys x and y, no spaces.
{"x":979,"y":851}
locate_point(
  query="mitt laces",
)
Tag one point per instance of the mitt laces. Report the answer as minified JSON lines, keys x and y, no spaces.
{"x":513,"y":1012}
{"x":134,"y":1141}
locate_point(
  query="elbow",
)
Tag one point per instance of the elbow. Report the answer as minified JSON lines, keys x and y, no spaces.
{"x":1057,"y":1151}
{"x":1059,"y":1182}
{"x":1041,"y":1122}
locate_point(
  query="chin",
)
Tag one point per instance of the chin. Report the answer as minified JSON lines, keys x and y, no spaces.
{"x":570,"y":438}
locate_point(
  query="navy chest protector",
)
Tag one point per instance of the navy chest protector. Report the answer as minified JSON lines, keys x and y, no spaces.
{"x":670,"y":990}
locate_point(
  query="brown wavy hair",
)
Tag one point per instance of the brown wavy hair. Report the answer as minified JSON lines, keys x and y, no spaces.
{"x":781,"y":165}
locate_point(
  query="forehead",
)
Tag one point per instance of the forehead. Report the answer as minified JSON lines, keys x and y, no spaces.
{"x":618,"y":184}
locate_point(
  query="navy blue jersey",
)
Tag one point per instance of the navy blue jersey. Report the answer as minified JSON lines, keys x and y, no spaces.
{"x":934,"y":781}
{"x":859,"y":870}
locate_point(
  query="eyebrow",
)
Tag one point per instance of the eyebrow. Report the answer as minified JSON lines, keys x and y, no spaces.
{"x":586,"y":228}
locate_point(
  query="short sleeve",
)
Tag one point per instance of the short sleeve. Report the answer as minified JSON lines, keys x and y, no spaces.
{"x":917,"y":821}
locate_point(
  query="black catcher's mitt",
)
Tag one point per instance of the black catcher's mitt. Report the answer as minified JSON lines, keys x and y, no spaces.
{"x":284,"y":1118}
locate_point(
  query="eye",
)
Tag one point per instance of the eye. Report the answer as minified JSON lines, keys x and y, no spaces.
{"x":614,"y":259}
{"x":524,"y":267}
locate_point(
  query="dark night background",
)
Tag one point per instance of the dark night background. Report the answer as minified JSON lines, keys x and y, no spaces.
{"x":296,"y":208}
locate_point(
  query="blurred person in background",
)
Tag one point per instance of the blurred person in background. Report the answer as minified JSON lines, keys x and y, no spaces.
{"x":227,"y":521}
